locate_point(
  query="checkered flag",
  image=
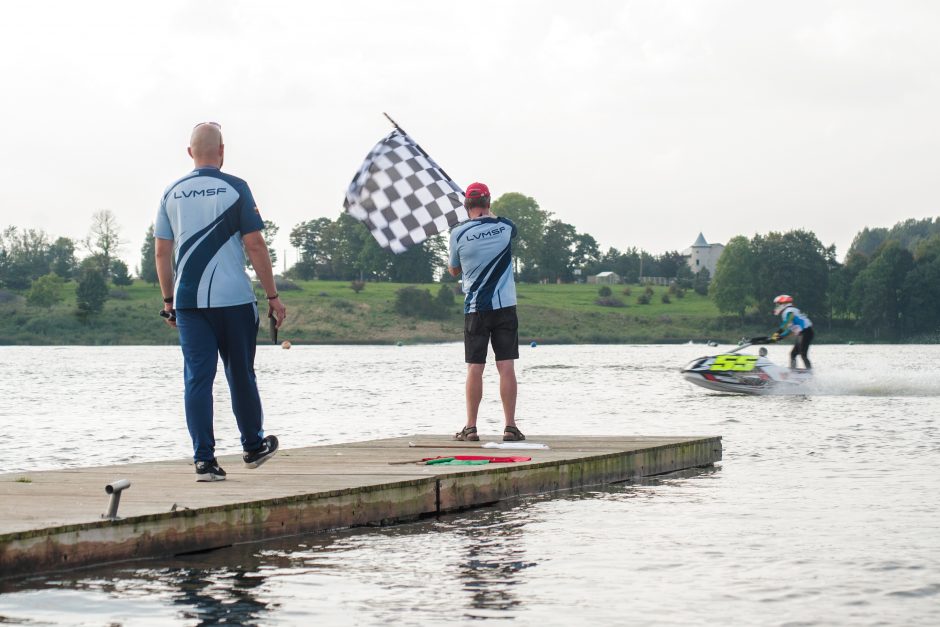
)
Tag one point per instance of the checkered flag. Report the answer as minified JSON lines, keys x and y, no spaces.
{"x":402,"y":195}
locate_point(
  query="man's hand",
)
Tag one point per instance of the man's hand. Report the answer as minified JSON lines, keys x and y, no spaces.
{"x":168,"y":307}
{"x":775,"y":337}
{"x":277,"y":309}
{"x":257,"y":251}
{"x":163,"y":253}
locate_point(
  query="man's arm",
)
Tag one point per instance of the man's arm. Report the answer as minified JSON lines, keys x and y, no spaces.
{"x":257,"y":251}
{"x":453,"y":259}
{"x":164,"y":256}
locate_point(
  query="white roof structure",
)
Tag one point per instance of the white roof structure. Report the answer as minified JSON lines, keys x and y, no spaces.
{"x":699,"y":243}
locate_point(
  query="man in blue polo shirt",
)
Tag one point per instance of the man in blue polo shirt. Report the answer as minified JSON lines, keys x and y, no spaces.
{"x":206,"y":223}
{"x":481,"y":249}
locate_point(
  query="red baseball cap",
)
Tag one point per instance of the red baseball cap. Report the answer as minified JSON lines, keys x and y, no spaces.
{"x":477,"y":190}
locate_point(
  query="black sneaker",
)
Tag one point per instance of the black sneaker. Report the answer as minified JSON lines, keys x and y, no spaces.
{"x":209,"y":471}
{"x":253,"y":459}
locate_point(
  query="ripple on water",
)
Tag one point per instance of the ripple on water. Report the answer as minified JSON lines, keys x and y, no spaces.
{"x":823,"y":510}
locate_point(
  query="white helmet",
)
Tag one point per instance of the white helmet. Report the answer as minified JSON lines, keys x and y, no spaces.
{"x":781,"y":303}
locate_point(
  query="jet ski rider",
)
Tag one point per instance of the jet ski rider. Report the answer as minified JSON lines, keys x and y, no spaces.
{"x":796,"y":322}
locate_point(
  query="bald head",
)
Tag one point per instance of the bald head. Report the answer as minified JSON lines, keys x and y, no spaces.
{"x":205,"y":145}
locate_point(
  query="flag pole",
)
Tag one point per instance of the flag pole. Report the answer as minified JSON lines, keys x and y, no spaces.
{"x":394,"y":123}
{"x":416,"y":145}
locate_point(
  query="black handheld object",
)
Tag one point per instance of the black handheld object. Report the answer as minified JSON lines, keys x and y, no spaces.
{"x":169,"y":315}
{"x":272,"y":326}
{"x":761,"y":340}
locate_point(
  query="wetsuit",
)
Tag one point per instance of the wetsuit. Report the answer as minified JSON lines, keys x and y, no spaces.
{"x":798,"y":323}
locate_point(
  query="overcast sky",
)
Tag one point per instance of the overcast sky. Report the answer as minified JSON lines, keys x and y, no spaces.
{"x":641,"y":123}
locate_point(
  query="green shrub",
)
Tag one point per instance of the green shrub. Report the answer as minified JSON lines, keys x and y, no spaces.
{"x":91,"y":293}
{"x":702,"y":279}
{"x":665,"y":298}
{"x":445,"y":299}
{"x":416,"y":303}
{"x":610,"y":301}
{"x":283,"y":284}
{"x":627,"y":291}
{"x":643,"y":299}
{"x":119,"y":273}
{"x":45,"y":291}
{"x":604,"y":292}
{"x":357,"y":286}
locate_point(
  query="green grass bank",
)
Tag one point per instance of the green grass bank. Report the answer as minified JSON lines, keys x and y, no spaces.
{"x":330,"y":312}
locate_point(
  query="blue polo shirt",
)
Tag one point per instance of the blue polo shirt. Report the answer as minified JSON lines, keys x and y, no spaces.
{"x":206,"y":213}
{"x":482,"y":248}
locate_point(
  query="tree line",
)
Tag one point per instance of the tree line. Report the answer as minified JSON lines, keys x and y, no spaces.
{"x":546,"y":250}
{"x":31,"y":260}
{"x":889,"y":282}
{"x":888,"y":285}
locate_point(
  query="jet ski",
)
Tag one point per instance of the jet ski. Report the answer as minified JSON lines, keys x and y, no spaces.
{"x":739,"y":373}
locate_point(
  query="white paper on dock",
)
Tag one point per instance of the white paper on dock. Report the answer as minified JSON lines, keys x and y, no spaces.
{"x":516,"y":445}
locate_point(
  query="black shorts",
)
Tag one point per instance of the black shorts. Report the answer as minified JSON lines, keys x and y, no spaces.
{"x":500,"y":325}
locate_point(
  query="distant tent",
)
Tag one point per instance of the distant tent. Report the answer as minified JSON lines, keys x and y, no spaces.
{"x":606,"y":278}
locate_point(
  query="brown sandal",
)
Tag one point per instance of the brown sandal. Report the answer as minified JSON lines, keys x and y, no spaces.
{"x":512,"y":434}
{"x":468,"y":434}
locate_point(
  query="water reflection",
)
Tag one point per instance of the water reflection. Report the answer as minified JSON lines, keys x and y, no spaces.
{"x":476,"y":562}
{"x":204,"y":594}
{"x":495,"y":554}
{"x":218,"y":596}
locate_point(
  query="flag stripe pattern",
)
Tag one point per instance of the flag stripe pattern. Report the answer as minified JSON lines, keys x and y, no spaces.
{"x":402,"y":195}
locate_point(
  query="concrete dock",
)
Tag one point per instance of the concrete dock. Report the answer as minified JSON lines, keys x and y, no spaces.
{"x":52,"y":520}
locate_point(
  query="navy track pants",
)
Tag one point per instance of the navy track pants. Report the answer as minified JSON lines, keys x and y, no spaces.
{"x":206,"y":335}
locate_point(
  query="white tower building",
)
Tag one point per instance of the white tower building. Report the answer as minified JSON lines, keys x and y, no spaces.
{"x":703,"y":255}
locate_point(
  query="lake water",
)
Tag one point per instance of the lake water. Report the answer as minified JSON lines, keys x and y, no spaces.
{"x":824,"y":510}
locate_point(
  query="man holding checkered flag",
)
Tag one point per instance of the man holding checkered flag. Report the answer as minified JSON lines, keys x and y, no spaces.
{"x":404,"y":197}
{"x":481,"y":250}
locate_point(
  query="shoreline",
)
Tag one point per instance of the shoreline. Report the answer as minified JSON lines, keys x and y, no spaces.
{"x":329,"y":313}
